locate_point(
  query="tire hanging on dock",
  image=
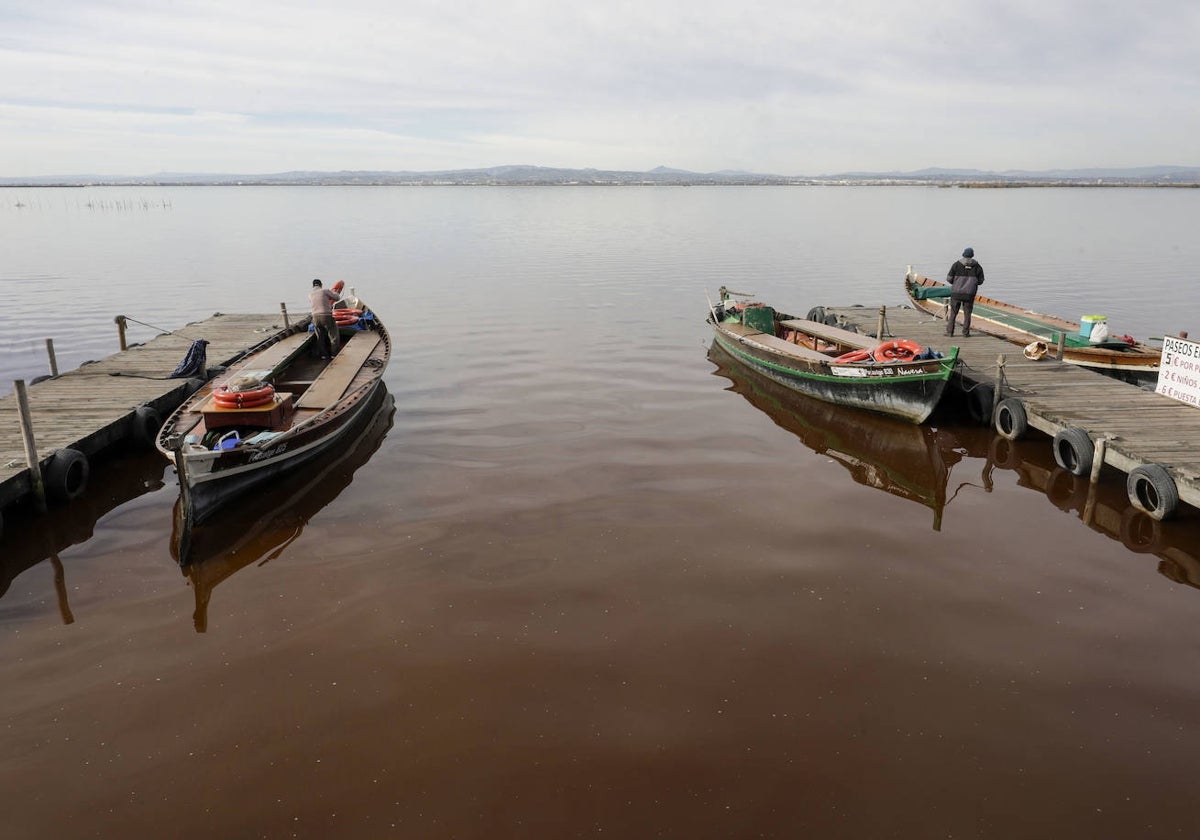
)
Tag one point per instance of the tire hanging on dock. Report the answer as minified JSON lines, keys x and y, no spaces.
{"x":146,"y":424}
{"x":66,"y":475}
{"x":1152,"y":490}
{"x":1011,"y":420}
{"x":1073,"y":450}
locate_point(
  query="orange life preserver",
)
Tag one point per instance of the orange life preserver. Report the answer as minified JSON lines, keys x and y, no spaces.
{"x":854,"y":356}
{"x":243,"y":399}
{"x":896,"y":351}
{"x":339,"y":285}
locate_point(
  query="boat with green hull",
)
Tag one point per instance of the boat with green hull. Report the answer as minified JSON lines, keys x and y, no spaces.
{"x":897,"y":378}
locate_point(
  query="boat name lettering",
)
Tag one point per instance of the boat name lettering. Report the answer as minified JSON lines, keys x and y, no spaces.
{"x":268,"y":453}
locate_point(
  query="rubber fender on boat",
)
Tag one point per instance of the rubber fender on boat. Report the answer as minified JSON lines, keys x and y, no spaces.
{"x":817,"y":313}
{"x":146,"y":424}
{"x":1073,"y":450}
{"x":1152,"y":489}
{"x":1011,"y":420}
{"x":66,"y":476}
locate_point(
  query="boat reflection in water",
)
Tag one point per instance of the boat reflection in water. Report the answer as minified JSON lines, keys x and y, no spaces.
{"x":258,"y":528}
{"x":907,"y":460}
{"x":916,"y":462}
{"x":113,"y":482}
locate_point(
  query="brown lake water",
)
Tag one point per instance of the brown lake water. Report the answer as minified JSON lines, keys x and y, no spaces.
{"x":583,"y":576}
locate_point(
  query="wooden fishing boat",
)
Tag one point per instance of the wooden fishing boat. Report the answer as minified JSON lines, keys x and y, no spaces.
{"x":279,"y":406}
{"x":898,"y":378}
{"x":1120,"y":357}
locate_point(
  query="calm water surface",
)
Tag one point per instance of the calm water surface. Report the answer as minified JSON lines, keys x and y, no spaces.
{"x":583,"y":577}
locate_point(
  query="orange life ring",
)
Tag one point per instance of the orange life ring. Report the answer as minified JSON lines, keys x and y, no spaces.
{"x":339,"y":285}
{"x":243,"y":399}
{"x":854,"y":356}
{"x":346,"y":322}
{"x":346,"y":313}
{"x":896,"y":351}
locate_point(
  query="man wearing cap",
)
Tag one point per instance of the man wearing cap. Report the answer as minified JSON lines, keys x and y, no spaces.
{"x":322,"y":301}
{"x":965,"y":278}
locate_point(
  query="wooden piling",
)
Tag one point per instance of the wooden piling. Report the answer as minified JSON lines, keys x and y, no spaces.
{"x":31,"y":456}
{"x":53,"y":360}
{"x":283,"y":309}
{"x":120,"y":322}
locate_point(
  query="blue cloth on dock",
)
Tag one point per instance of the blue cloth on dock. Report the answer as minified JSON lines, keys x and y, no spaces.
{"x":193,"y":363}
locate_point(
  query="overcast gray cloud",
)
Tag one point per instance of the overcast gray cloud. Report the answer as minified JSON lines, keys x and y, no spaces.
{"x":783,"y":86}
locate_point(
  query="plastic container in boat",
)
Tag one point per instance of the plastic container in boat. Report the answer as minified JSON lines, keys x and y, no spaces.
{"x":1087,"y":323}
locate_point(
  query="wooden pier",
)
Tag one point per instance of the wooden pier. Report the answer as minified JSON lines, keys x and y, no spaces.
{"x":1126,"y":427}
{"x":117,"y":400}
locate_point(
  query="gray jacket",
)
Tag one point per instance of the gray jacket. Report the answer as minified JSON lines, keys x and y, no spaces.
{"x":965,"y":278}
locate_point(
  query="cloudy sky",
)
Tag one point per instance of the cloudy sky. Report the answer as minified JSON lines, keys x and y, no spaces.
{"x":796,"y":87}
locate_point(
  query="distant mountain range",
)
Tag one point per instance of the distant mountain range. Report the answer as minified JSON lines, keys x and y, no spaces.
{"x":1173,"y":176}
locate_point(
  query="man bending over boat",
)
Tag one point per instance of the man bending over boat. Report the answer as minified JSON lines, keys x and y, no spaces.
{"x":965,"y":278}
{"x":322,"y":301}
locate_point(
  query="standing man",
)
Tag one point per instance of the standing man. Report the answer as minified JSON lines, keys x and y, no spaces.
{"x":965,"y":278}
{"x":322,"y":301}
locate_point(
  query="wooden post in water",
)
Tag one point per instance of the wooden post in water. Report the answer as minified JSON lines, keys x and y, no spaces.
{"x":31,"y":456}
{"x":120,"y":322}
{"x":1062,"y":342}
{"x":283,"y":309}
{"x":53,"y":360}
{"x":880,"y":322}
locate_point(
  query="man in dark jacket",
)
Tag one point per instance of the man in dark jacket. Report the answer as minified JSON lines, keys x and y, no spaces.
{"x":965,"y":278}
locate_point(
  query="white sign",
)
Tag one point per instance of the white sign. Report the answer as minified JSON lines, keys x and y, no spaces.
{"x":1179,"y":374}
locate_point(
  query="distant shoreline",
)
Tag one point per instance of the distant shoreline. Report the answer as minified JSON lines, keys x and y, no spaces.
{"x":797,"y":182}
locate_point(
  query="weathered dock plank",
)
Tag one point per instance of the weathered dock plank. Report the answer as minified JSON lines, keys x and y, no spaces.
{"x":1139,"y":426}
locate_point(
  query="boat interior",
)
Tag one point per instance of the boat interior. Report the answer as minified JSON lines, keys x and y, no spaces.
{"x":303,"y":386}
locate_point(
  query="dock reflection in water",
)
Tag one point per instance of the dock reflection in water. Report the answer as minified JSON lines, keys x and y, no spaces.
{"x":1104,"y":507}
{"x":260,"y":528}
{"x":115,"y":479}
{"x":916,"y":463}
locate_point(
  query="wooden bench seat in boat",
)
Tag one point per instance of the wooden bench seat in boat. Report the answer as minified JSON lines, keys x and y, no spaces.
{"x":776,"y":344}
{"x":278,"y":356}
{"x":333,"y":381}
{"x":835,"y":335}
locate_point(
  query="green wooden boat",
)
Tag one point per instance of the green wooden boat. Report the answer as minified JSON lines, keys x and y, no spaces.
{"x":898,"y":378}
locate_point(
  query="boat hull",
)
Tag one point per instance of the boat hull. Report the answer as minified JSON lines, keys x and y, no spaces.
{"x":216,"y":480}
{"x":907,"y":391}
{"x":1137,"y":364}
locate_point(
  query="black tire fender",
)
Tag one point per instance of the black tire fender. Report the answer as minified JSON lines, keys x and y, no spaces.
{"x":817,"y":313}
{"x":1011,"y":420}
{"x":1151,"y":489}
{"x":66,"y":476}
{"x":1073,"y":450}
{"x":146,"y":425}
{"x":979,"y":404}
